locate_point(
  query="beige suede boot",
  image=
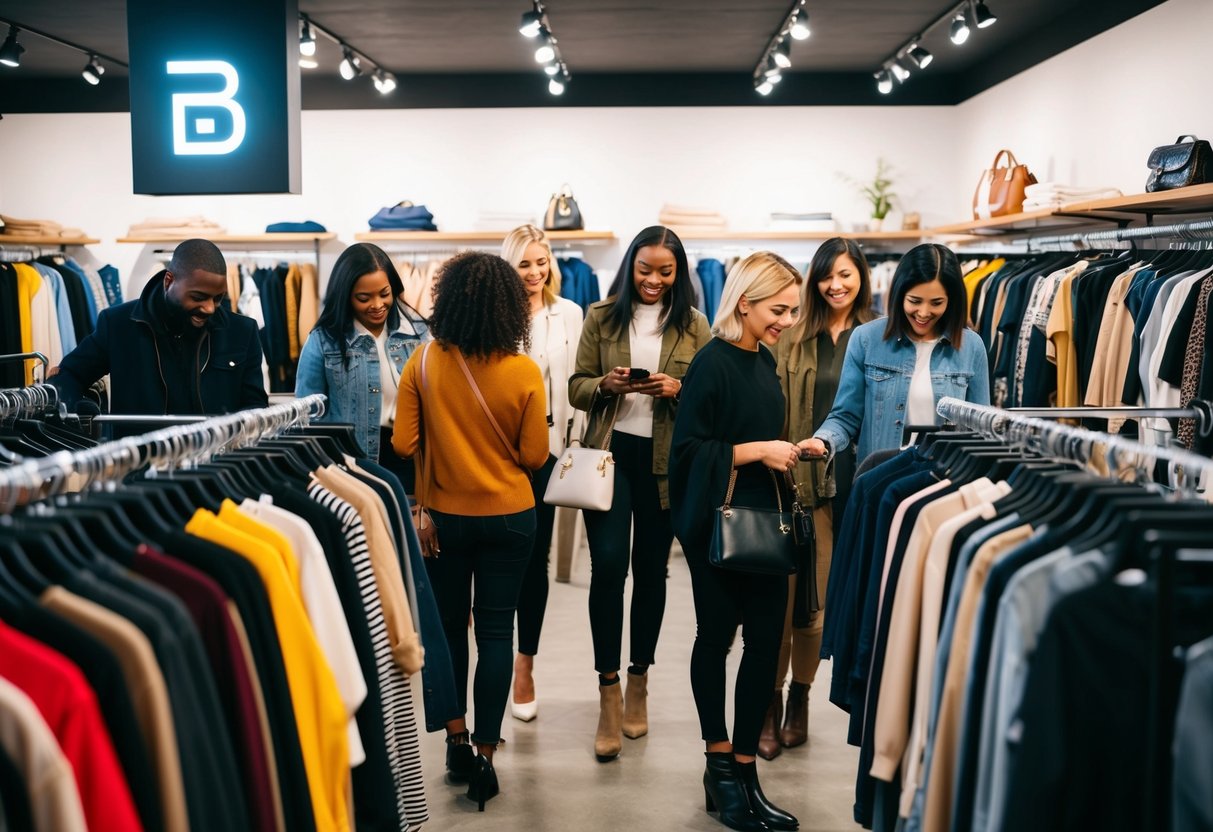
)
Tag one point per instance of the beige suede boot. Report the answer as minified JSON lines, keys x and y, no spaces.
{"x":608,"y":741}
{"x":636,"y":706}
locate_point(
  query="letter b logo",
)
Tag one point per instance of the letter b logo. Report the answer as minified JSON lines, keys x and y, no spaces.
{"x":183,"y":144}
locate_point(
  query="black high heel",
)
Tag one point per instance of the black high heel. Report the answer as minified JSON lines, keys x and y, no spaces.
{"x":483,"y":786}
{"x":723,"y":792}
{"x":771,"y":814}
{"x":460,"y":757}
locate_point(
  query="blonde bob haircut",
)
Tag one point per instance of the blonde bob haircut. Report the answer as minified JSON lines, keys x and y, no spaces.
{"x":513,"y":250}
{"x":762,"y":275}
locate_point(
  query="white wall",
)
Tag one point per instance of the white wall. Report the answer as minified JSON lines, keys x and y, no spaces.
{"x":1091,"y":115}
{"x":622,"y":163}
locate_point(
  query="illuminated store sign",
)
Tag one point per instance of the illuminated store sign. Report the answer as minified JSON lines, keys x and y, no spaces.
{"x":214,"y":96}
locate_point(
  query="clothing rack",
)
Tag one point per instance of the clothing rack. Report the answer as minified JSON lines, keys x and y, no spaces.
{"x":1200,"y":410}
{"x":1066,"y":442}
{"x":1191,"y":231}
{"x":166,"y":448}
{"x":22,"y":402}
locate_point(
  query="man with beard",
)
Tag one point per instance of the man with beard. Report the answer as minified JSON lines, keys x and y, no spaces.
{"x":178,"y":349}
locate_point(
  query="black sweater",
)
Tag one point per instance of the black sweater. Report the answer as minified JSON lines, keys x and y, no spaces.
{"x":730,"y":396}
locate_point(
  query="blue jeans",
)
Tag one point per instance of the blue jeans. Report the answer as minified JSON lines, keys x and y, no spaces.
{"x":479,"y":572}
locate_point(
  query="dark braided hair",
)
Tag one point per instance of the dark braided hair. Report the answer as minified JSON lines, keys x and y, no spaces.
{"x":480,"y":306}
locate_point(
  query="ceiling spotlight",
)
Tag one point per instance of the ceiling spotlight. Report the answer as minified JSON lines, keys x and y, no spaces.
{"x":884,"y":82}
{"x":774,"y":79}
{"x":765,"y":87}
{"x":556,"y":86}
{"x":800,"y":26}
{"x":93,"y":71}
{"x":350,"y":67}
{"x":546,"y":52}
{"x":921,"y":57}
{"x":782,"y":53}
{"x":982,"y":15}
{"x":553,"y":68}
{"x":308,"y":63}
{"x":771,"y":68}
{"x":532,"y":22}
{"x":959,"y":32}
{"x":10,"y":52}
{"x":307,"y":40}
{"x":899,"y":72}
{"x":385,"y":82}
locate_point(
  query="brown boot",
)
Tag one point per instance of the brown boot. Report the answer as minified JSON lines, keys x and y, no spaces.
{"x":636,"y":706}
{"x":608,"y":741}
{"x":768,"y":741}
{"x":796,"y":718}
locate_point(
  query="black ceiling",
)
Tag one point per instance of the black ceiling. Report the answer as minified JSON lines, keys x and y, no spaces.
{"x":468,"y":53}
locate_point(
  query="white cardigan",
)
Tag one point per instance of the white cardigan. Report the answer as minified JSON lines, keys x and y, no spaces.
{"x":557,"y":354}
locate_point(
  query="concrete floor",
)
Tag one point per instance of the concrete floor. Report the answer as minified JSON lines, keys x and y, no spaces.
{"x":550,"y":779}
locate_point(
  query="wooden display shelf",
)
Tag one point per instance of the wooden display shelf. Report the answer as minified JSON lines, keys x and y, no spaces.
{"x":1011,"y":224}
{"x":1195,"y":199}
{"x":477,"y":236}
{"x":21,"y":240}
{"x":285,"y":237}
{"x":798,"y":236}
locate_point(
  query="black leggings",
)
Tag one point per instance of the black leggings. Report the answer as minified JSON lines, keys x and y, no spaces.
{"x":723,"y":600}
{"x":533,"y":601}
{"x":636,"y":527}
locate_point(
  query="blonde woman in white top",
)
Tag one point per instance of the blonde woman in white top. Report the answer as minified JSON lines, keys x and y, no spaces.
{"x":555,"y":332}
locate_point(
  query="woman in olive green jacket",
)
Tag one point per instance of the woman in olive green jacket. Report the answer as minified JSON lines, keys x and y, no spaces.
{"x":837,"y":297}
{"x":649,"y":324}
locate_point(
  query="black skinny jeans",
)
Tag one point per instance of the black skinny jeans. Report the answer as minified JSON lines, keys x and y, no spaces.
{"x":637,"y":526}
{"x":479,"y":572}
{"x":724,"y":599}
{"x":533,"y":601}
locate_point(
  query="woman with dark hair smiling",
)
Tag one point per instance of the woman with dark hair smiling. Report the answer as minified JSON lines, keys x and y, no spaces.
{"x":896,"y":370}
{"x":649,"y":324}
{"x":359,"y":346}
{"x":474,"y":406}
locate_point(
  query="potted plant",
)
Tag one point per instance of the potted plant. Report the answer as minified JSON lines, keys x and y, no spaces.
{"x":878,"y":192}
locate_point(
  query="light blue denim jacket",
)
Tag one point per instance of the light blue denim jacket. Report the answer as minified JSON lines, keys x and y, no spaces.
{"x":353,"y":392}
{"x":875,"y":385}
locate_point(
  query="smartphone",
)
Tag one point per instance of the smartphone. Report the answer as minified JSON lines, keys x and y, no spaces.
{"x":637,"y":374}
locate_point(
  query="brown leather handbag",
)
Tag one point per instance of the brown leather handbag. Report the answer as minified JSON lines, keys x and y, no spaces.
{"x":1000,"y":191}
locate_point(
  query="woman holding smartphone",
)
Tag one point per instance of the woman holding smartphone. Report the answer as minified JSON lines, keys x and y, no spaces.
{"x":649,"y":324}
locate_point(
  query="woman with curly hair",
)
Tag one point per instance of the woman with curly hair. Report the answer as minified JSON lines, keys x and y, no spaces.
{"x":474,"y":408}
{"x":650,"y":324}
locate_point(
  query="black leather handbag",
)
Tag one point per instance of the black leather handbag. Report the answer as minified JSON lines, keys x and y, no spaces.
{"x":1180,"y":165}
{"x":755,"y":540}
{"x":563,"y":213}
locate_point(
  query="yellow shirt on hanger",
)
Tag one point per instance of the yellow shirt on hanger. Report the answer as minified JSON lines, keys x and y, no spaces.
{"x":29,"y":282}
{"x":319,"y":712}
{"x":974,"y":277}
{"x":1060,"y":347}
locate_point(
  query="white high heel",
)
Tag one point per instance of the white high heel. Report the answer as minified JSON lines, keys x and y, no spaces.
{"x":525,"y":711}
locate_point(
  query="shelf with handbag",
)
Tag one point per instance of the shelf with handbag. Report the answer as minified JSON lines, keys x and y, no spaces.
{"x":47,"y":241}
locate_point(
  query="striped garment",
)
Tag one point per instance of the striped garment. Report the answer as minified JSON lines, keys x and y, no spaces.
{"x":399,"y":721}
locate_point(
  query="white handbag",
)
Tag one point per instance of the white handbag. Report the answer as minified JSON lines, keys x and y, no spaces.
{"x":584,"y":477}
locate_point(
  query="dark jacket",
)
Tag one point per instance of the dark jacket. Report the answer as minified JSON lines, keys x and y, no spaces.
{"x":226,"y":374}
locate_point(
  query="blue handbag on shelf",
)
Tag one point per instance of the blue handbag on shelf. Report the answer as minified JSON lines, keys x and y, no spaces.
{"x":404,"y":216}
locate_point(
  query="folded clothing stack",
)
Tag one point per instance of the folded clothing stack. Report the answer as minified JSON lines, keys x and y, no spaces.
{"x":196,"y":226}
{"x":17,"y":227}
{"x":305,"y":227}
{"x":503,"y":220}
{"x":802,"y":221}
{"x":404,"y":216}
{"x":682,"y":218}
{"x":1044,"y":196}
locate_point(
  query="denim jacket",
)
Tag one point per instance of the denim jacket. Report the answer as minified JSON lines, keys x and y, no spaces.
{"x":353,"y":392}
{"x":871,"y":399}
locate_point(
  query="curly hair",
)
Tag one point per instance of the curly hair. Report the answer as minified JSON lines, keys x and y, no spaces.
{"x":481,"y":306}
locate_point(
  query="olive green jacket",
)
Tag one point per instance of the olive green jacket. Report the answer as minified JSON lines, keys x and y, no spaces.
{"x":796,"y":364}
{"x":603,"y":347}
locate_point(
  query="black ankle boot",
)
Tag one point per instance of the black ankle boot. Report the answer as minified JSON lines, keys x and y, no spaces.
{"x":483,"y":785}
{"x":724,"y":793}
{"x":772,"y":815}
{"x":460,"y":757}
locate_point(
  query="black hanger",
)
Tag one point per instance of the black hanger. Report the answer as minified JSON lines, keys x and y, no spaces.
{"x":342,"y":433}
{"x":20,"y":580}
{"x":149,"y":510}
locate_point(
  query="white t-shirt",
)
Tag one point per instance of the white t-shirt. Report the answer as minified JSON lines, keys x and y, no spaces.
{"x":636,"y":409}
{"x":389,"y":379}
{"x":920,"y":406}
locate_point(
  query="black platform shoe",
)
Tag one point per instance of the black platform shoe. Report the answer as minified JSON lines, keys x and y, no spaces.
{"x":771,"y":814}
{"x":723,"y":792}
{"x":483,"y":786}
{"x":460,"y":757}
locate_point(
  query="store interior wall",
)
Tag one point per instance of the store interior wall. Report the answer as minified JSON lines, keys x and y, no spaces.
{"x":1087,"y":116}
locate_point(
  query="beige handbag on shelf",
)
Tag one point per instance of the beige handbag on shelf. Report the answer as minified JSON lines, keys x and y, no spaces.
{"x":1000,"y":191}
{"x":584,"y":477}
